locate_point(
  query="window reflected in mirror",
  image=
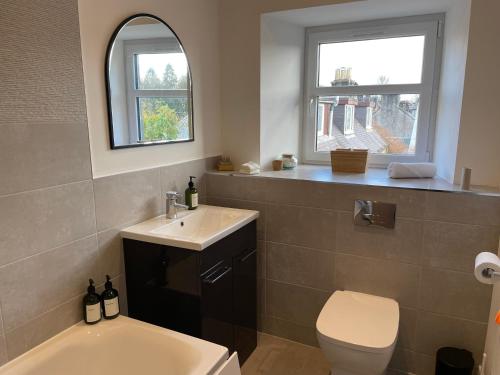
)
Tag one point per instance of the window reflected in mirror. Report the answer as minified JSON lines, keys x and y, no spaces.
{"x":149,"y":85}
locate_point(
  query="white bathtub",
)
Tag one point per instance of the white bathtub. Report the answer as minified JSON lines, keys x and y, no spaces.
{"x":122,"y":346}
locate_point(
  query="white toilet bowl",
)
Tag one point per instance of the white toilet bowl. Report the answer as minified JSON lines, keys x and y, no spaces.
{"x":357,"y":332}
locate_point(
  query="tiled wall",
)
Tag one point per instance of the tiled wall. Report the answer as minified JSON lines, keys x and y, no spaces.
{"x":58,"y":226}
{"x":309,"y":247}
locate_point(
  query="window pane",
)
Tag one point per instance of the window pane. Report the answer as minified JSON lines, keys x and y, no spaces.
{"x":161,"y":71}
{"x":371,"y":62}
{"x":163,"y":119}
{"x":383,"y":124}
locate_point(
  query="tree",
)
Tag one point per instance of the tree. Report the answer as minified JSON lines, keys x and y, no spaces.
{"x":161,"y":124}
{"x":170,"y":80}
{"x":383,"y":80}
{"x":182,"y":82}
{"x":150,"y":81}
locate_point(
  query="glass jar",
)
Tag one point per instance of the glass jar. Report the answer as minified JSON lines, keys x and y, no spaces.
{"x":289,"y":161}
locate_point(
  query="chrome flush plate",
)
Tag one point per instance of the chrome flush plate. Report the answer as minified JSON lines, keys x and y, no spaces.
{"x":374,"y":213}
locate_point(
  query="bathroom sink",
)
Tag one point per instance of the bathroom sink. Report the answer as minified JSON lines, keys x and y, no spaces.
{"x":194,"y":230}
{"x":122,"y":346}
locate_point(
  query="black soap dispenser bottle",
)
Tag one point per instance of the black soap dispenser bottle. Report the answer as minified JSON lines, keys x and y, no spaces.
{"x":91,"y":305}
{"x":110,"y":302}
{"x":191,"y":195}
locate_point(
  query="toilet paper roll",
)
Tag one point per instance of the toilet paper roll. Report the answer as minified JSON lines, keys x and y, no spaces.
{"x":486,"y":261}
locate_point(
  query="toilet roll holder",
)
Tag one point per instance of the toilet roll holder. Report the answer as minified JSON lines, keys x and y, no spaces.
{"x":490,"y":273}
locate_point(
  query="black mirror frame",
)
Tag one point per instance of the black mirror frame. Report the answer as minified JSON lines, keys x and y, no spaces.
{"x":108,"y":88}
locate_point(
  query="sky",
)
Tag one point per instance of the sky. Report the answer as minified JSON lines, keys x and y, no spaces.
{"x":159,"y":61}
{"x":400,"y":59}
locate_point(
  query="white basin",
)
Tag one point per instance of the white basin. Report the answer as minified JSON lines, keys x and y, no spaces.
{"x":194,"y":230}
{"x":122,"y":346}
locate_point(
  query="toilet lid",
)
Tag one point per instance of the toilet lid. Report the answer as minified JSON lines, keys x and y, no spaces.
{"x":360,"y":321}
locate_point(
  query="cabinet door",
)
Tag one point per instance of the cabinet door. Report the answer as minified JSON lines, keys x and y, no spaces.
{"x":163,"y":286}
{"x":245,"y":303}
{"x":217,"y":309}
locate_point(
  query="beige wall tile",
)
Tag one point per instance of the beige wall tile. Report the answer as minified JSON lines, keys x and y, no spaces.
{"x":111,"y":259}
{"x":463,"y":208}
{"x":426,"y":364}
{"x":290,"y":330}
{"x":126,"y":198}
{"x":236,"y":187}
{"x":39,"y":220}
{"x":407,"y":336}
{"x":43,"y":327}
{"x":34,"y":285}
{"x":176,"y":177}
{"x":378,"y":277}
{"x":436,"y":331}
{"x":261,"y":259}
{"x":42,"y":75}
{"x":404,"y":360}
{"x":246,"y":205}
{"x":455,"y":246}
{"x":293,"y":303}
{"x":410,"y":203}
{"x":403,"y":243}
{"x":454,"y":293}
{"x":1,"y":321}
{"x":56,"y":154}
{"x":302,"y":226}
{"x":3,"y":350}
{"x":301,"y":193}
{"x":261,"y":297}
{"x":301,"y":266}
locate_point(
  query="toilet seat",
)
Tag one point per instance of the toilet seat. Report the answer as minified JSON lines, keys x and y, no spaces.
{"x":359,"y":321}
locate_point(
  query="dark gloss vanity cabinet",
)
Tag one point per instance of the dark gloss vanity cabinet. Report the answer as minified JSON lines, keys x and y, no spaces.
{"x":210,"y":294}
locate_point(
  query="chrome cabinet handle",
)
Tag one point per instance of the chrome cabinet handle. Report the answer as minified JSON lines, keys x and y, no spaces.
{"x":211,"y":279}
{"x":248,"y":255}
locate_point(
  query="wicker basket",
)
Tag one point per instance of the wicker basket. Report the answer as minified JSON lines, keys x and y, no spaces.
{"x":349,"y":160}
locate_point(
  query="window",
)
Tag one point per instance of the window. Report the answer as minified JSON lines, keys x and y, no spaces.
{"x":158,"y":90}
{"x":375,"y":85}
{"x":348,"y":119}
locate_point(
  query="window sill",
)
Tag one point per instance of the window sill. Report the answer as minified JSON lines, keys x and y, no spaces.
{"x":373,"y":177}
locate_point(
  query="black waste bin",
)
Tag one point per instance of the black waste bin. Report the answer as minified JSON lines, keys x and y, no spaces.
{"x":453,"y":361}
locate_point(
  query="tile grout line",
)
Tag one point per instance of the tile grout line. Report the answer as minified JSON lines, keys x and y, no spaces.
{"x":95,"y":210}
{"x":45,"y":312}
{"x":51,"y":187}
{"x":413,"y":308}
{"x":55,"y":307}
{"x":301,"y":286}
{"x":50,"y":250}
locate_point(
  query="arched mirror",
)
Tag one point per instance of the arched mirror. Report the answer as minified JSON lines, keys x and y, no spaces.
{"x":148,"y":84}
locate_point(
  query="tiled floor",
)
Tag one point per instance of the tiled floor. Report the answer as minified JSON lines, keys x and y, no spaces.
{"x":276,"y":356}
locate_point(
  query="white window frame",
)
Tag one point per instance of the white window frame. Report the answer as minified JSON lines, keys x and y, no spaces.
{"x":132,"y":48}
{"x":321,"y":119}
{"x":348,"y":119}
{"x":369,"y":118}
{"x":430,"y":26}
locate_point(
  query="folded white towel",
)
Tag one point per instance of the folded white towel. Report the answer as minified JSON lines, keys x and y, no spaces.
{"x":411,"y":170}
{"x":250,"y":168}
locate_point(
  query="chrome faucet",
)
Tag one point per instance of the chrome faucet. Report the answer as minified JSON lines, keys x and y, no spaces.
{"x":172,"y":204}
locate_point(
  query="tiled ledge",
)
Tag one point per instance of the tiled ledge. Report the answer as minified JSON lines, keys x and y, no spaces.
{"x":372,"y":177}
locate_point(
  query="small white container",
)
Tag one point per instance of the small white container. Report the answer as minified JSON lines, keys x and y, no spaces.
{"x":289,"y":161}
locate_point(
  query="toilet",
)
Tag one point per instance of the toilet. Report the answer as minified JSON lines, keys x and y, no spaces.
{"x":357,"y":332}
